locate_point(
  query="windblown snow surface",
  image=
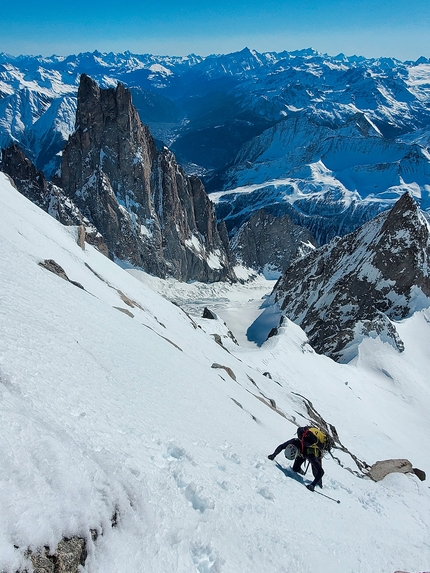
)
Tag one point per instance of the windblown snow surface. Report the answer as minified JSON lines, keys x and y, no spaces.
{"x":104,"y":413}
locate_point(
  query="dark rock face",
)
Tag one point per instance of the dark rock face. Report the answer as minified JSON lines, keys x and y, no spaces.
{"x":421,"y":475}
{"x":269,"y":244}
{"x":27,"y":178}
{"x":53,"y":267}
{"x":354,"y":286}
{"x":148,"y":211}
{"x":33,"y":184}
{"x":207,"y":313}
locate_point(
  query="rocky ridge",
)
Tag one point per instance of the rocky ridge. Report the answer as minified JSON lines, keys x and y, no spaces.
{"x":149,"y":212}
{"x":359,"y":285}
{"x":32,"y":183}
{"x":135,"y":202}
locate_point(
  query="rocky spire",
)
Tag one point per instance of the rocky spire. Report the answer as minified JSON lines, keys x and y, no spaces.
{"x":356,"y":286}
{"x":149,"y":212}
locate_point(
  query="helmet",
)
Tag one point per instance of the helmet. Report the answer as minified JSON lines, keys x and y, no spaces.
{"x":291,"y":452}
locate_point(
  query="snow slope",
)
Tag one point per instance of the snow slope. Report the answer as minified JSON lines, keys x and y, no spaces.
{"x":106,"y":414}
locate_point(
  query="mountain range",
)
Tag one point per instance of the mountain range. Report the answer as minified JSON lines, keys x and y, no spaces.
{"x":330,"y":141}
{"x":136,"y":432}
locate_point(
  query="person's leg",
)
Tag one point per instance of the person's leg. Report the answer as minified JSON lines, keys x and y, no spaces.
{"x":317,"y":470}
{"x":297,"y":466}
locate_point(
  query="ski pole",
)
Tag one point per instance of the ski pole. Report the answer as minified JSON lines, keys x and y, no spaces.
{"x":327,"y":496}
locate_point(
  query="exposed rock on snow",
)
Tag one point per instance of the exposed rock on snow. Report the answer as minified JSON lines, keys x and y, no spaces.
{"x":58,"y":270}
{"x":209,"y":314}
{"x":81,"y":237}
{"x":268,"y":244}
{"x":356,"y":286}
{"x":226,"y":368}
{"x":68,"y":557}
{"x":148,"y":211}
{"x":217,"y":328}
{"x":125,"y":311}
{"x":421,"y":475}
{"x":382,"y":468}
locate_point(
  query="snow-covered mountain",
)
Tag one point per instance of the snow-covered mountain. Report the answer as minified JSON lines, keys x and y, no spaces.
{"x":139,"y":434}
{"x":209,"y":107}
{"x":330,"y":141}
{"x":330,"y":180}
{"x":356,"y":286}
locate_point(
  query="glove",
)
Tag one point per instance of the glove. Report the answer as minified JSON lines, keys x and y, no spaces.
{"x":271,"y":457}
{"x":310,"y":487}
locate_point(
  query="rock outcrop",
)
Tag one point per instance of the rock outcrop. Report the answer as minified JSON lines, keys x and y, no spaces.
{"x":53,"y":267}
{"x":356,"y":286}
{"x":68,"y":557}
{"x":269,"y":244}
{"x":382,"y":468}
{"x":149,"y":212}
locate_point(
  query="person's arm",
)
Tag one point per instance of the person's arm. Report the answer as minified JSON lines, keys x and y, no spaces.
{"x":279,"y":449}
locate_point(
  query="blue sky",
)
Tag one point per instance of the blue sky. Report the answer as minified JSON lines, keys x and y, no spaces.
{"x":398,"y":28}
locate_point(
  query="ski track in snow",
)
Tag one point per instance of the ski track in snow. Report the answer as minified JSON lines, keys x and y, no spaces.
{"x":107,"y":415}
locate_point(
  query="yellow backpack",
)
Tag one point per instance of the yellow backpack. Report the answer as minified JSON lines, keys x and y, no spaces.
{"x":314,"y":441}
{"x":320,"y":436}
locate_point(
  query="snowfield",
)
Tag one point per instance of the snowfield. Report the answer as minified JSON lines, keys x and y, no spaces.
{"x":115,"y":419}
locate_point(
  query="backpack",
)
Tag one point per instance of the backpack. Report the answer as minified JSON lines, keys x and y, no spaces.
{"x":314,"y":441}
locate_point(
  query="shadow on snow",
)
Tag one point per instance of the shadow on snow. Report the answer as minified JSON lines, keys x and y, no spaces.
{"x":288,"y":472}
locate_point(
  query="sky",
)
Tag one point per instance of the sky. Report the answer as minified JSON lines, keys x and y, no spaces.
{"x":396,"y":28}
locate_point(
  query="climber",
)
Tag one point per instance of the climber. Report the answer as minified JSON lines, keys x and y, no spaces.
{"x":308,"y":446}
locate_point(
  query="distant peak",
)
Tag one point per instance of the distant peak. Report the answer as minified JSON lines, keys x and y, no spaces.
{"x":306,"y":52}
{"x":423,"y":60}
{"x":405,"y":203}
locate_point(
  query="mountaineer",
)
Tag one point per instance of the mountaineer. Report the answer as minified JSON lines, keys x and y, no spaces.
{"x":310,"y":445}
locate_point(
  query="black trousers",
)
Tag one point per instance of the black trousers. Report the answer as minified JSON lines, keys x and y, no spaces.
{"x":316,"y":465}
